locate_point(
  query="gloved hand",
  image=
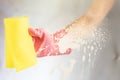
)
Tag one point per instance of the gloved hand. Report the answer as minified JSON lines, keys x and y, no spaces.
{"x":46,"y":44}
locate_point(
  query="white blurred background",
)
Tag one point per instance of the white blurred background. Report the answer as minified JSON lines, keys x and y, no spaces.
{"x":53,"y":15}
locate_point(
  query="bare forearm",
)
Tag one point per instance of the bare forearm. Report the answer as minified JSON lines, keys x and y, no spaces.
{"x":93,"y":17}
{"x":99,"y":9}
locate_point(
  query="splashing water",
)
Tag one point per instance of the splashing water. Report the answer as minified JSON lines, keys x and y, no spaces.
{"x":86,"y":46}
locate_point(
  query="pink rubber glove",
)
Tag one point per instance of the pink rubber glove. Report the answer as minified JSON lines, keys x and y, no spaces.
{"x":45,"y":44}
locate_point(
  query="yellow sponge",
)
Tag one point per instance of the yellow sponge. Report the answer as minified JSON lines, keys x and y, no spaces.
{"x":20,"y":53}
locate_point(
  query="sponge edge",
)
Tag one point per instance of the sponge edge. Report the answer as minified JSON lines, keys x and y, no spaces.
{"x":20,"y":53}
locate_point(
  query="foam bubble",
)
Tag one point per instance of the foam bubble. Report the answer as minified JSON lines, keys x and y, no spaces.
{"x":87,"y":44}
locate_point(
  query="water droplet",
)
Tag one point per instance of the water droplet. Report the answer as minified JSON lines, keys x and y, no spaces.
{"x":89,"y":46}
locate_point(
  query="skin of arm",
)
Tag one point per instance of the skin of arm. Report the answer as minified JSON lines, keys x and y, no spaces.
{"x":93,"y":17}
{"x":99,"y":9}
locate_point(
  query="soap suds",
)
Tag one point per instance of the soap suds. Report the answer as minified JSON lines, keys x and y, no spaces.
{"x":86,"y":46}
